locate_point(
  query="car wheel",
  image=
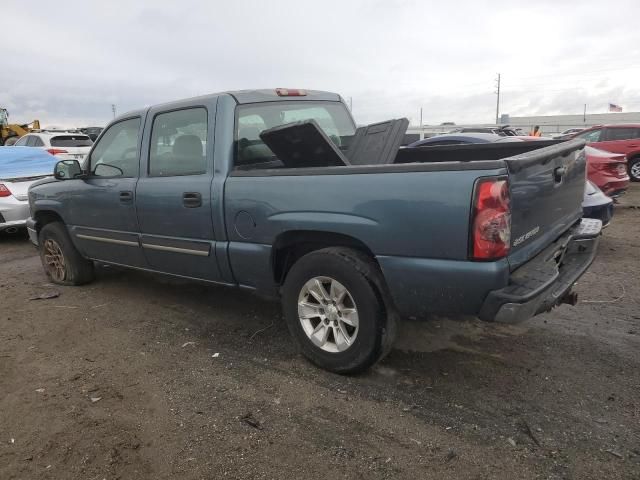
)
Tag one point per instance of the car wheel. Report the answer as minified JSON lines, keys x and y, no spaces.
{"x":62,"y":262}
{"x":335,"y":312}
{"x":634,"y":169}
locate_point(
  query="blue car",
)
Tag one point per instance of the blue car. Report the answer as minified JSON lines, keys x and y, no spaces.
{"x":19,"y":168}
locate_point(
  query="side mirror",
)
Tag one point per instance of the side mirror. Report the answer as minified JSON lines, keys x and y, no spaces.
{"x":67,"y":170}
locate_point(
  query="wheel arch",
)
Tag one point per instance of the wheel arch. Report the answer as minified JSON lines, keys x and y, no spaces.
{"x":291,"y":245}
{"x":46,"y":216}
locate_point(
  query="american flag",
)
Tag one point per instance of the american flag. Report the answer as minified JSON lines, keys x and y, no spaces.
{"x":614,"y":108}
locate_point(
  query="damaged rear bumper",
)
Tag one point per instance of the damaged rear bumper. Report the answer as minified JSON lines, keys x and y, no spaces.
{"x":546,"y":280}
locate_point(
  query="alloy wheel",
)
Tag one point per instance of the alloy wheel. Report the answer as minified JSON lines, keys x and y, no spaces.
{"x":328,"y":314}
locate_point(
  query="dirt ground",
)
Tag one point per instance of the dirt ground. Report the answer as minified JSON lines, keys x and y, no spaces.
{"x":138,"y":376}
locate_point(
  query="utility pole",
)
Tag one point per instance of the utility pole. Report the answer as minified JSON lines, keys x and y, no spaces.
{"x":113,"y":109}
{"x":497,"y":92}
{"x":421,"y":117}
{"x":584,"y":114}
{"x":351,"y":104}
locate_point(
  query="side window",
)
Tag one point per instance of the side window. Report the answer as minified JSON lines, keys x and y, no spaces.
{"x":32,"y":141}
{"x":116,"y":154}
{"x":614,"y":134}
{"x":38,"y":142}
{"x":179,"y":143}
{"x":22,"y":142}
{"x":591,"y":135}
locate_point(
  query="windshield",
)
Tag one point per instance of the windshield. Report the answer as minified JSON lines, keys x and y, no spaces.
{"x":332,"y":117}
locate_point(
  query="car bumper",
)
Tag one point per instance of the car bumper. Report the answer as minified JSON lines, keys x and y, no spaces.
{"x":546,"y":280}
{"x":31,"y":229}
{"x":604,"y":213}
{"x":13,"y":213}
{"x":615,"y":188}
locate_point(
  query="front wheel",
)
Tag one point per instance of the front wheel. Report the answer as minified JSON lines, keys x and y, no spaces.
{"x":62,"y":262}
{"x":335,"y":311}
{"x":634,"y":169}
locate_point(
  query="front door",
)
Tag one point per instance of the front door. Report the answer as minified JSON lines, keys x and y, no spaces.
{"x":173,"y":195}
{"x":103,"y":219}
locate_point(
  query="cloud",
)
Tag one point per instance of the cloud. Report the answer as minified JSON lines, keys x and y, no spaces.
{"x":66,"y":63}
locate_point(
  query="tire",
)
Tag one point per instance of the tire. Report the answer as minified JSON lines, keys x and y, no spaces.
{"x":634,"y":169}
{"x":322,"y":320}
{"x":62,"y":262}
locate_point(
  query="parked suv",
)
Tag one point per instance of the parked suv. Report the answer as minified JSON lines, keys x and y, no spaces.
{"x":624,"y":138}
{"x":65,"y":145}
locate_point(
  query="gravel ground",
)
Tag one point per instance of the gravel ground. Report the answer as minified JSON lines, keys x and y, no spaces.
{"x":137,"y":376}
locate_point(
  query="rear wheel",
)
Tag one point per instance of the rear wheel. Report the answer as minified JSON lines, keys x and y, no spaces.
{"x":634,"y":169}
{"x":62,"y":262}
{"x":334,"y":310}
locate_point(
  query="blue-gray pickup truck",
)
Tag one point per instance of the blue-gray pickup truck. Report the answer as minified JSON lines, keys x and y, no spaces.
{"x":192,"y":189}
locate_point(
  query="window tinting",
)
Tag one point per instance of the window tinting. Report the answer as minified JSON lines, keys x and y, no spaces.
{"x":22,"y":142}
{"x":117,"y":151}
{"x":31,"y":142}
{"x":71,"y":141}
{"x":332,"y":117}
{"x":179,"y":143}
{"x":622,"y":133}
{"x":38,"y":142}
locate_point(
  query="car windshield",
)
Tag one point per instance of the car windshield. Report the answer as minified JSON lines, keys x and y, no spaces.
{"x":71,"y":141}
{"x":332,"y":117}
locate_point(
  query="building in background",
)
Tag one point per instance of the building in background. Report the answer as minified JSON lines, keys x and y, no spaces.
{"x":549,"y":124}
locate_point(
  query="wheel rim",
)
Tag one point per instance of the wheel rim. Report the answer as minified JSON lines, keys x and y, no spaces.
{"x":328,"y":314}
{"x":54,"y":260}
{"x":635,"y":170}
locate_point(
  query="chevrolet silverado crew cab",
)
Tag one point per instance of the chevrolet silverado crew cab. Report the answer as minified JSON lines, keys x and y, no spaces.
{"x":278,"y":192}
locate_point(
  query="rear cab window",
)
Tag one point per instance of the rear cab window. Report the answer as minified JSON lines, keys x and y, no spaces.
{"x":71,"y":141}
{"x":252,"y":119}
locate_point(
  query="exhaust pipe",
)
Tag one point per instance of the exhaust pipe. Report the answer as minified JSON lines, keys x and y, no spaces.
{"x":570,"y":298}
{"x":11,"y":230}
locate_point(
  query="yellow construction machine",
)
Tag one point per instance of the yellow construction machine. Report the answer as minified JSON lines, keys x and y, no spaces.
{"x":11,"y":132}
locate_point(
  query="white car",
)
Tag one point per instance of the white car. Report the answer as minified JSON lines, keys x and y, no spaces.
{"x":65,"y":145}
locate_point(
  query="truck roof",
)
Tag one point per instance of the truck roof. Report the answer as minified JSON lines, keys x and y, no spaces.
{"x":250,"y":96}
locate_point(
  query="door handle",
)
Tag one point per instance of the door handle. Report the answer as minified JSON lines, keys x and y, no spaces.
{"x":126,"y":197}
{"x":192,"y":199}
{"x":558,"y":174}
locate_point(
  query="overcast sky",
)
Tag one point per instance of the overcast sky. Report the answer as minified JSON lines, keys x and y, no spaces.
{"x":66,"y":62}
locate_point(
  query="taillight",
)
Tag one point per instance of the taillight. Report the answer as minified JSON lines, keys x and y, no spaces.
{"x":290,"y":92}
{"x":491,"y":220}
{"x":4,"y":191}
{"x":56,"y":151}
{"x":615,"y":168}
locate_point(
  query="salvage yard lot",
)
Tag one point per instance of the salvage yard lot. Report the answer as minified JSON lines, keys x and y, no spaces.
{"x":140,"y":376}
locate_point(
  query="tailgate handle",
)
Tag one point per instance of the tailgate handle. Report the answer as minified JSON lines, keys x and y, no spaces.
{"x":558,"y":174}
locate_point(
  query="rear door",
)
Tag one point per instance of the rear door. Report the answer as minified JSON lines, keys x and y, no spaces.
{"x":620,"y":139}
{"x":547,"y":190}
{"x":173,"y":196}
